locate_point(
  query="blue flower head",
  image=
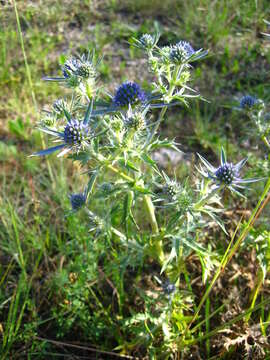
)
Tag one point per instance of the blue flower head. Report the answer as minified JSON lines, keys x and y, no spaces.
{"x":147,"y":41}
{"x":82,"y":67}
{"x":129,"y":93}
{"x":226,"y":174}
{"x":70,"y":67}
{"x":180,"y":52}
{"x":74,"y":137}
{"x":169,"y":288}
{"x":247,"y":102}
{"x":75,"y":132}
{"x":77,"y":201}
{"x":77,"y":70}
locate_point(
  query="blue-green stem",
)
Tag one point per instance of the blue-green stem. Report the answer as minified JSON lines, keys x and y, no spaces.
{"x":147,"y":199}
{"x":177,"y":73}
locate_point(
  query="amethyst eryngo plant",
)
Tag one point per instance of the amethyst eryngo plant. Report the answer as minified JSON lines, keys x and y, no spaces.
{"x":113,"y":136}
{"x":226,"y":174}
{"x":256,"y":110}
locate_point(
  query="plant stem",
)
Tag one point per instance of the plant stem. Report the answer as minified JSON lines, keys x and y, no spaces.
{"x":151,"y":212}
{"x":121,"y":174}
{"x":28,"y":74}
{"x":147,"y":199}
{"x":266,"y":142}
{"x":260,"y":279}
{"x":177,"y":73}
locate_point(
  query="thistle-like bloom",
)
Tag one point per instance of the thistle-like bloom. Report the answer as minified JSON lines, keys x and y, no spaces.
{"x":59,"y":107}
{"x":75,"y":132}
{"x":169,"y":288}
{"x":78,"y":200}
{"x":248,"y":102}
{"x":172,"y":189}
{"x":77,"y":70}
{"x":134,"y":120}
{"x":180,"y":52}
{"x":129,"y":93}
{"x":146,"y":42}
{"x":70,"y":67}
{"x":81,"y":67}
{"x":74,"y":137}
{"x":227,"y":174}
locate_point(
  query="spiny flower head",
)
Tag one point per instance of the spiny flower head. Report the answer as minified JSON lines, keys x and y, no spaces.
{"x":59,"y":107}
{"x":226,"y":174}
{"x":180,"y":52}
{"x":82,"y":67}
{"x":169,"y":288}
{"x":86,"y":70}
{"x":147,"y":41}
{"x":134,"y":119}
{"x":165,"y":54}
{"x":171,"y":188}
{"x":129,"y":93}
{"x":70,"y":67}
{"x":248,"y":102}
{"x":75,"y":132}
{"x":106,"y":188}
{"x":74,"y":136}
{"x":96,"y":224}
{"x":77,"y":201}
{"x":78,"y":71}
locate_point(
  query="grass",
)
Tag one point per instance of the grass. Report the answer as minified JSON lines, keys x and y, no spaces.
{"x":55,"y":291}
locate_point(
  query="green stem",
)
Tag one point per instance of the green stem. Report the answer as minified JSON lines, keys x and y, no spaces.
{"x":28,"y":73}
{"x":207,"y":325}
{"x":260,"y":279}
{"x":120,"y":173}
{"x":151,"y":212}
{"x":176,"y":74}
{"x":266,"y":142}
{"x":147,"y":199}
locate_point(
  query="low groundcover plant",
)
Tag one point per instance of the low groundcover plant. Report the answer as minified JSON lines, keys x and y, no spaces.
{"x":131,"y":205}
